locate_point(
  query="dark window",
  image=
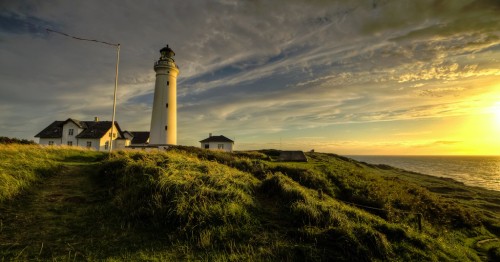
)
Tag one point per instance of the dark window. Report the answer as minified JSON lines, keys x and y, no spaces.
{"x":220,"y":146}
{"x":207,"y":146}
{"x":106,"y":145}
{"x":166,"y":105}
{"x":165,"y":127}
{"x":168,"y":83}
{"x":89,"y":143}
{"x":70,"y":143}
{"x":70,"y":132}
{"x":51,"y":143}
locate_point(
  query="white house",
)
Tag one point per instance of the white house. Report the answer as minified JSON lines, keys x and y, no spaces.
{"x":91,"y":134}
{"x":220,"y":143}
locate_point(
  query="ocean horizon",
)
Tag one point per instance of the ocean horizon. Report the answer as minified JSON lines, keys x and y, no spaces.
{"x":472,"y":170}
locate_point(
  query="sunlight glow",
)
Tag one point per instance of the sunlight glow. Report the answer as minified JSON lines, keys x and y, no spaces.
{"x":494,"y":116}
{"x":496,"y":112}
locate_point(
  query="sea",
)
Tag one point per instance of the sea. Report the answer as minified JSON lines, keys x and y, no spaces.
{"x":480,"y":171}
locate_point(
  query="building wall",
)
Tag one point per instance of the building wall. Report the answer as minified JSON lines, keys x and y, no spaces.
{"x":120,"y":143}
{"x":116,"y":143}
{"x":104,"y":140}
{"x":128,"y":136}
{"x":218,"y":146}
{"x":172,"y":107}
{"x":143,"y":144}
{"x":94,"y":143}
{"x":67,"y":137}
{"x":164,"y":116}
{"x":46,"y":141}
{"x":99,"y":144}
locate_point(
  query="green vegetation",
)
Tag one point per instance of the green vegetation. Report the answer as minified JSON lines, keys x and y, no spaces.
{"x":8,"y":140}
{"x":21,"y":166}
{"x":193,"y":204}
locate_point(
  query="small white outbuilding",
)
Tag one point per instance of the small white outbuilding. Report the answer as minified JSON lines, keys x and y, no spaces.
{"x":220,"y":143}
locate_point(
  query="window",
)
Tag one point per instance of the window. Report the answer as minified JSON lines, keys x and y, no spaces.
{"x":114,"y":135}
{"x":106,"y":145}
{"x":51,"y":143}
{"x":207,"y":146}
{"x":70,"y":131}
{"x":168,"y":83}
{"x":89,"y":143}
{"x":220,"y":146}
{"x":70,"y":143}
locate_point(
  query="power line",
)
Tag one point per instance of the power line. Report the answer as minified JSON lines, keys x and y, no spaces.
{"x":79,"y":38}
{"x":116,"y":76}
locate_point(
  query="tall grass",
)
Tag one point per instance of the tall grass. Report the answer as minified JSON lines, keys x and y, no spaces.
{"x":21,"y":166}
{"x":246,"y":206}
{"x":199,"y":199}
{"x":193,"y":204}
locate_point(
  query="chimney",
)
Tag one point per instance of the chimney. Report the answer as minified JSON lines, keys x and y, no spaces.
{"x":209,"y":134}
{"x":96,"y":119}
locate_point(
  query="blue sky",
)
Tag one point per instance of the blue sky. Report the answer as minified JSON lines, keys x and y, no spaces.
{"x":350,"y":77}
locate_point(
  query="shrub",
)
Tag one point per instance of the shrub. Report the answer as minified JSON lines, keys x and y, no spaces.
{"x":7,"y":140}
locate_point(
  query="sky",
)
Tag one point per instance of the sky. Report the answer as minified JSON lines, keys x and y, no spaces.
{"x":358,"y":77}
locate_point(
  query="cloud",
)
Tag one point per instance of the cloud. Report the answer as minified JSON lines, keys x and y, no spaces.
{"x":247,"y":67}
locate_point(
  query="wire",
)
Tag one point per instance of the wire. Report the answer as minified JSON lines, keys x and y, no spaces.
{"x":79,"y":38}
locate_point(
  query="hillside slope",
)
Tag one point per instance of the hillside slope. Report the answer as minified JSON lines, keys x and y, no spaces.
{"x":192,"y":204}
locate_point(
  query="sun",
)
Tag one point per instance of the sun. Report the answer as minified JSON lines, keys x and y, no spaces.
{"x":495,"y":110}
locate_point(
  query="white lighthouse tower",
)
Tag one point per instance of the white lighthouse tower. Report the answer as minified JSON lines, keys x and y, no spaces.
{"x":164,"y":117}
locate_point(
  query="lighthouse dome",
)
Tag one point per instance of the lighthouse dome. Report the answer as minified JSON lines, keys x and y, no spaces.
{"x":166,"y":52}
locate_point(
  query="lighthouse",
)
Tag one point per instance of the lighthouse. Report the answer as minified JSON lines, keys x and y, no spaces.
{"x":164,"y":117}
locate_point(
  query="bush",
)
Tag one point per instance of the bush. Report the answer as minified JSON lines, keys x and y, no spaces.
{"x":7,"y":140}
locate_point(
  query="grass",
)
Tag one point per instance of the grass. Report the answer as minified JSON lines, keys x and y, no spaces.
{"x":193,"y":204}
{"x":24,"y":165}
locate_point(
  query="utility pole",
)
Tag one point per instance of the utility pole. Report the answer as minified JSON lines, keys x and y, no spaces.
{"x":116,"y":77}
{"x":114,"y":99}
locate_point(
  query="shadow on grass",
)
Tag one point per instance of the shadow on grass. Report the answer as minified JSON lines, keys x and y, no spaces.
{"x":69,"y":216}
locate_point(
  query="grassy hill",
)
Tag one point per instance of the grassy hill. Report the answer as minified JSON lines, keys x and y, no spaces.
{"x":193,"y":204}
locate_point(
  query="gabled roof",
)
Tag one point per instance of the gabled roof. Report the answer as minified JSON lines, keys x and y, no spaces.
{"x":54,"y":130}
{"x":128,"y":132}
{"x":80,"y":124}
{"x":95,"y":129}
{"x":140,"y":137}
{"x":91,"y":129}
{"x":216,"y":139}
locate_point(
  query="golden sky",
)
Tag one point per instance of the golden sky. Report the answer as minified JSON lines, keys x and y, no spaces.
{"x":349,"y":77}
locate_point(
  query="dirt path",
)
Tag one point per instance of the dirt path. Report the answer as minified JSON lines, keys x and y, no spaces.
{"x":56,"y":217}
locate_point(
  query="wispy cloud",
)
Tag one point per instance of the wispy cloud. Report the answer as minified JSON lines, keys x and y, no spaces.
{"x":247,"y":67}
